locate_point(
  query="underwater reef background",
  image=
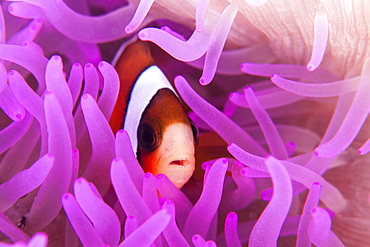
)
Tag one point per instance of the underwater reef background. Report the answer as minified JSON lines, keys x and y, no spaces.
{"x":279,"y":91}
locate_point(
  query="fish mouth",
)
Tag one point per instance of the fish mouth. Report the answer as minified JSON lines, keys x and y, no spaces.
{"x":180,"y":162}
{"x":178,"y":170}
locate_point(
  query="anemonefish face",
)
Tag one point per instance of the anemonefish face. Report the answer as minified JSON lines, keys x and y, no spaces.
{"x":166,"y":139}
{"x":160,"y":129}
{"x":149,"y":110}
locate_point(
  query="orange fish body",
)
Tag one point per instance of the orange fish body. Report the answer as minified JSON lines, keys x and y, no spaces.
{"x":151,"y":113}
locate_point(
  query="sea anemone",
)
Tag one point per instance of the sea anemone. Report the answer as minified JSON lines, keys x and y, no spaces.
{"x":278,"y":89}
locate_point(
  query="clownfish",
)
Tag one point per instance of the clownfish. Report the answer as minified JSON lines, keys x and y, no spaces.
{"x":149,"y":109}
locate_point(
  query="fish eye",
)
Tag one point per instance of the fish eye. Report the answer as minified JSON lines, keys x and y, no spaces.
{"x":195,"y":131}
{"x":147,"y":137}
